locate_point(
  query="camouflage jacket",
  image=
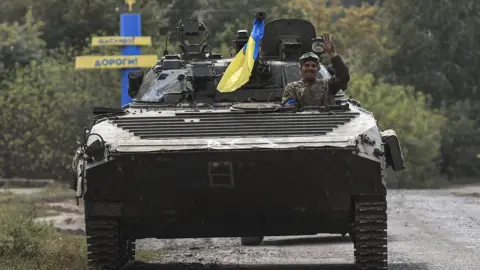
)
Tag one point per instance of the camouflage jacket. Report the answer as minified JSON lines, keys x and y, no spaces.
{"x":321,"y":92}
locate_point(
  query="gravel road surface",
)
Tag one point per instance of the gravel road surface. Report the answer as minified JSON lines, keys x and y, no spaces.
{"x":427,"y":230}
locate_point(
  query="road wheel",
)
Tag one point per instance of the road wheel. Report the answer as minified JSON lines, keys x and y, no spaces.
{"x":106,"y":246}
{"x":370,"y":232}
{"x":251,"y":241}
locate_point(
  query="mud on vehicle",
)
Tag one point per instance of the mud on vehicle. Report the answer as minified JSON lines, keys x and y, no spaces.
{"x":186,"y":161}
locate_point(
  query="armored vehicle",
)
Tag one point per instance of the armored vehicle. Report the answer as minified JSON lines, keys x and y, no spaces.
{"x":184,"y":160}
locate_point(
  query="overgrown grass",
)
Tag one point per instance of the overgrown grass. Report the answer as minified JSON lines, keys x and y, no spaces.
{"x":29,"y":244}
{"x":26,"y":244}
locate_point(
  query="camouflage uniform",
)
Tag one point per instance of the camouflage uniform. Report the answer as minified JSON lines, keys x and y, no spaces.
{"x":322,"y":91}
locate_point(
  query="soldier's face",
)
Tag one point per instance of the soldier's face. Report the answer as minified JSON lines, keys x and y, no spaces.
{"x":309,"y":70}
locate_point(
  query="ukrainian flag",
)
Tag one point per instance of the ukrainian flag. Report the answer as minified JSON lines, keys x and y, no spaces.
{"x":240,"y":69}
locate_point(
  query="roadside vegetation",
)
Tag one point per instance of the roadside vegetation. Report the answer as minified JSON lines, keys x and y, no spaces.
{"x":28,"y":242}
{"x":25,"y":244}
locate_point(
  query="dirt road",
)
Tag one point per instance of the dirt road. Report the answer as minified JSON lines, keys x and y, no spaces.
{"x":427,"y":230}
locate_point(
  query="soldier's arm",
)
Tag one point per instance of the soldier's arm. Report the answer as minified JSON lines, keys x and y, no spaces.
{"x":288,"y":93}
{"x":342,"y":75}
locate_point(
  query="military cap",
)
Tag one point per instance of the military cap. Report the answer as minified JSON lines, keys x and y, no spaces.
{"x":309,"y":56}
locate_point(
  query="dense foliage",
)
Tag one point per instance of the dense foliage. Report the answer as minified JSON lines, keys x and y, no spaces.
{"x":414,"y":66}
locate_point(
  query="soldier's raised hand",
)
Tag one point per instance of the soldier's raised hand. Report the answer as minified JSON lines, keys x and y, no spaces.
{"x":328,"y":44}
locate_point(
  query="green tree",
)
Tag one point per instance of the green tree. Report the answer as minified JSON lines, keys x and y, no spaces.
{"x":19,"y":44}
{"x":237,"y":15}
{"x":45,"y":108}
{"x":356,"y":30}
{"x":436,"y":46}
{"x":461,"y":142}
{"x":408,"y":113}
{"x":71,"y":23}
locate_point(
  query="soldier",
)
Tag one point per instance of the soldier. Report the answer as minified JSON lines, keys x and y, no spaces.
{"x":310,"y":91}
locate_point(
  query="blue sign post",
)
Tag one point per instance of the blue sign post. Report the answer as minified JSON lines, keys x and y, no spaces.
{"x":131,"y":59}
{"x":130,"y":25}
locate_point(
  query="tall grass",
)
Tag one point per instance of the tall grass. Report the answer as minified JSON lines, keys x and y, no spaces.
{"x":27,"y":244}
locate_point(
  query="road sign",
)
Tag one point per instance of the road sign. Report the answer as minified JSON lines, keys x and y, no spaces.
{"x":115,"y":61}
{"x":131,"y":59}
{"x":121,"y":41}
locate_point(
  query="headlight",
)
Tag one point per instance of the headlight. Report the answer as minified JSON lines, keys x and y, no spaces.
{"x":317,"y":47}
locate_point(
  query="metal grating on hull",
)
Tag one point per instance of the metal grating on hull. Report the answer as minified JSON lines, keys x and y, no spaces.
{"x":187,"y":125}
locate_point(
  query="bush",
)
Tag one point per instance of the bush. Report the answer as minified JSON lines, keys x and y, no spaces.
{"x":20,"y":44}
{"x":45,"y":108}
{"x":26,"y":244}
{"x":400,"y":108}
{"x":461,"y":142}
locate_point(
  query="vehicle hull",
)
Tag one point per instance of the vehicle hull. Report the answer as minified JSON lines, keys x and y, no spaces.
{"x":232,"y":193}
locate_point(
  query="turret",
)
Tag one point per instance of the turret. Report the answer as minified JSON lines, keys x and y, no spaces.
{"x":288,"y":39}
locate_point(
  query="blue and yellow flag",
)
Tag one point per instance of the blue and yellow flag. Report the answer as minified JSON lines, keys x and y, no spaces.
{"x":240,"y":69}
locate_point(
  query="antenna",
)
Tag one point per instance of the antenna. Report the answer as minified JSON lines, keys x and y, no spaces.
{"x":165,"y":52}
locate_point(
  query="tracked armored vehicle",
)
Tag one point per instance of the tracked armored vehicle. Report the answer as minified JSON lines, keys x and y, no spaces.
{"x":186,"y":161}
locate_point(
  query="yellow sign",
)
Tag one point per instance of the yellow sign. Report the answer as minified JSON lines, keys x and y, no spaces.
{"x":121,"y":41}
{"x":130,"y":4}
{"x":115,"y":61}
